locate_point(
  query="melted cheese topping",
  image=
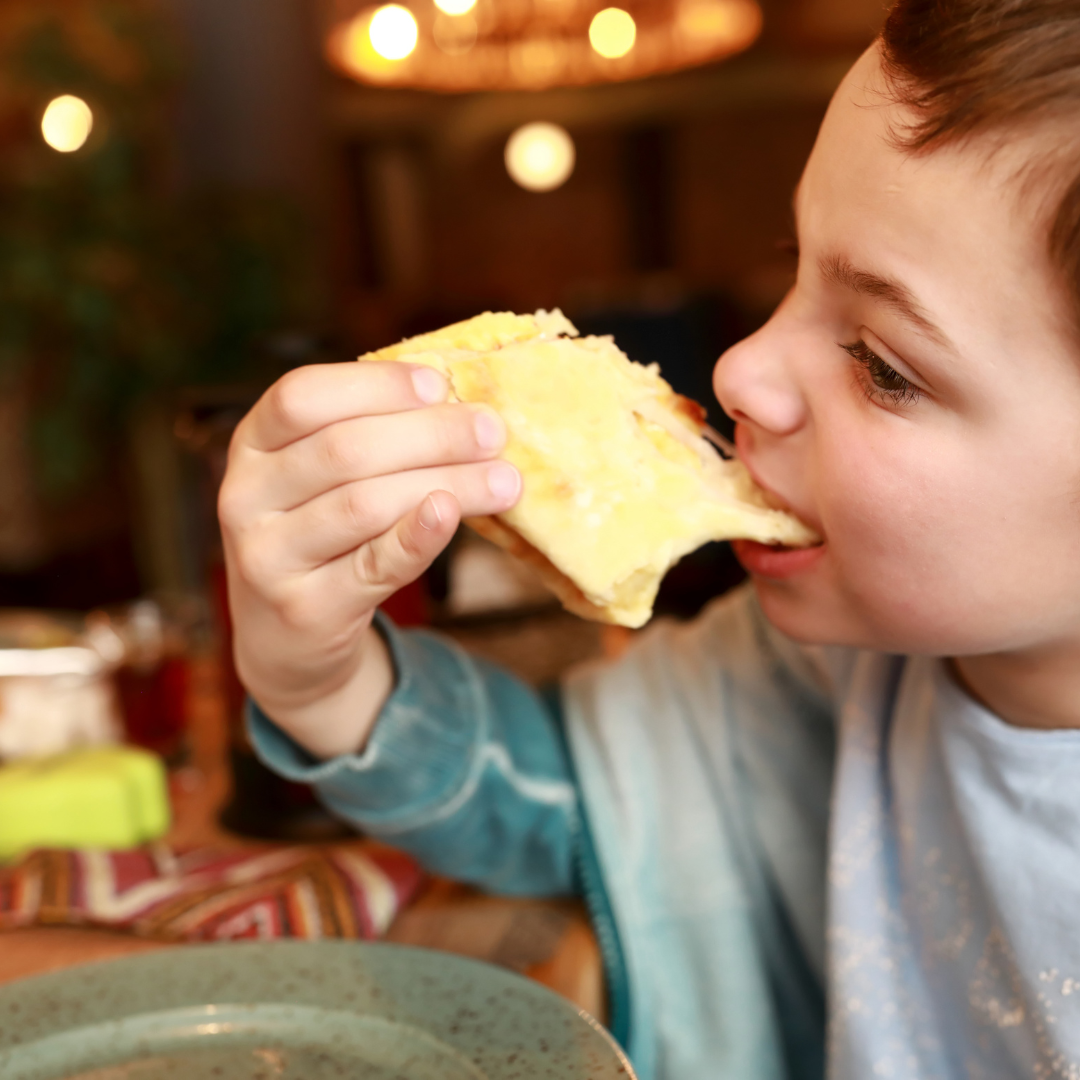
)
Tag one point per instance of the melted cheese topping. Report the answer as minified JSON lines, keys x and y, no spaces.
{"x":618,"y":484}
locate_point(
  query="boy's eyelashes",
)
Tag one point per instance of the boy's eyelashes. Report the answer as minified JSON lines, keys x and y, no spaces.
{"x":885,"y":382}
{"x":878,"y":378}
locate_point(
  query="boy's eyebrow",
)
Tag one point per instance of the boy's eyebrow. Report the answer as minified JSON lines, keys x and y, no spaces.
{"x":898,"y":296}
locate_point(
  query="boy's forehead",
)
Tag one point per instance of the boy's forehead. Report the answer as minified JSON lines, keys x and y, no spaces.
{"x":947,"y":222}
{"x":859,"y":160}
{"x":857,"y":142}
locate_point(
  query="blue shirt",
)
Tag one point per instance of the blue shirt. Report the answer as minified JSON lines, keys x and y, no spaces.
{"x":760,"y":828}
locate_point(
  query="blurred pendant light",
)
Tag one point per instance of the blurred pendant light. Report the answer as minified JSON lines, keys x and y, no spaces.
{"x":612,"y":32}
{"x":539,"y":157}
{"x":468,"y":45}
{"x":67,"y":123}
{"x":393,"y":32}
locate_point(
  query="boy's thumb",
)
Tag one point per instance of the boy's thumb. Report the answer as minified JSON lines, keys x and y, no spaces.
{"x":404,"y":552}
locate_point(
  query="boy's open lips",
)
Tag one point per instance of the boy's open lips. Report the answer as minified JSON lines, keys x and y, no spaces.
{"x":771,"y":561}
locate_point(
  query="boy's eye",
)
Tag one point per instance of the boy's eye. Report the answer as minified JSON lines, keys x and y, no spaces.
{"x":888,"y":382}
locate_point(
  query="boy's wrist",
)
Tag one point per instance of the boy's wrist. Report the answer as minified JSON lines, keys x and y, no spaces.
{"x":340,"y":720}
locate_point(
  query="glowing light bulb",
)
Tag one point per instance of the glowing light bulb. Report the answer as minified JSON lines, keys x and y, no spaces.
{"x":393,"y":32}
{"x":455,"y":7}
{"x":67,"y":123}
{"x":612,"y":32}
{"x":539,"y":157}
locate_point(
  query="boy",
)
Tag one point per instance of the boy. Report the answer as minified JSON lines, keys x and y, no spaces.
{"x":844,"y":801}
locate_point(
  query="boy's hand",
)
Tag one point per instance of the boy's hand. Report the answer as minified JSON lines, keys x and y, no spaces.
{"x":343,"y":484}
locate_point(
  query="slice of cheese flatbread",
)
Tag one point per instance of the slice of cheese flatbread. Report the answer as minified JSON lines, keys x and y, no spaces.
{"x":618,"y":482}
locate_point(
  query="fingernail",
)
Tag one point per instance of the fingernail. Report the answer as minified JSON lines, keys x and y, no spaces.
{"x":429,"y":385}
{"x":490,"y":433}
{"x":504,"y":481}
{"x":429,"y":515}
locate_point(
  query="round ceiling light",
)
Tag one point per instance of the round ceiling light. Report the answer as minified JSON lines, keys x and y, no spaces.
{"x":540,"y":157}
{"x":67,"y":123}
{"x":612,"y":32}
{"x":393,"y":32}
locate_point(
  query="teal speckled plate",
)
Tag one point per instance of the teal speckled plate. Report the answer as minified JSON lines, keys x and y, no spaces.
{"x":299,"y":1011}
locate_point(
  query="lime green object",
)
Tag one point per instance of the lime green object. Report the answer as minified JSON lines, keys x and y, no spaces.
{"x":106,"y":797}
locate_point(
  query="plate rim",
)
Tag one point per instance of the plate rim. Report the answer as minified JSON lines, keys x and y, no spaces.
{"x":64,"y":982}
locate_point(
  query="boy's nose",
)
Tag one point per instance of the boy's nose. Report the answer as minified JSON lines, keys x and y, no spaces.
{"x":755,"y":384}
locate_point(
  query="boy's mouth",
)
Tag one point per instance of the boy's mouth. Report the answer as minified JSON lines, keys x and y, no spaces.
{"x":774,"y":499}
{"x":774,"y":560}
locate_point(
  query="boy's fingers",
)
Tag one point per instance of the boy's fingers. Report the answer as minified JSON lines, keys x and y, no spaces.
{"x":403,"y":553}
{"x":310,"y":398}
{"x":370,"y":446}
{"x":344,"y":590}
{"x":359,"y":581}
{"x":341,"y":520}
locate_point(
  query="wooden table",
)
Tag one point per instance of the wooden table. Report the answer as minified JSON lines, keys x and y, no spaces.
{"x":550,"y":941}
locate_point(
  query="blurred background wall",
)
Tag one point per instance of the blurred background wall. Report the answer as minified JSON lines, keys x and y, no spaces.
{"x":244,"y":204}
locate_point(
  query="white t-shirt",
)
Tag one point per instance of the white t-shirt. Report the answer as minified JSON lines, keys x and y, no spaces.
{"x":926,"y":856}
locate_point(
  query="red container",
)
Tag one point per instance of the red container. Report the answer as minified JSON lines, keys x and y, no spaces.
{"x":154,"y":704}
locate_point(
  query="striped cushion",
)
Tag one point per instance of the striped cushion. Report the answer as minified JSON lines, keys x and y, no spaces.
{"x":349,"y":890}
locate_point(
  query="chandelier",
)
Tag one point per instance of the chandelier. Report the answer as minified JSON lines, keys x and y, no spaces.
{"x":469,"y":45}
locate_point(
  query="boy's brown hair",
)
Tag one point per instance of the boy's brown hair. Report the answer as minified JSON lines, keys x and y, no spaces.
{"x":968,"y":67}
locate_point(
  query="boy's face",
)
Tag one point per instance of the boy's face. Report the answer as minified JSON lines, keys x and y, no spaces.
{"x":916,"y":398}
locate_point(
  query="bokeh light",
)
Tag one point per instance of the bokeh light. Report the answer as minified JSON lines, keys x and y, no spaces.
{"x":357,"y":50}
{"x":393,"y":32}
{"x":454,"y":34}
{"x":540,"y":156}
{"x":733,"y":24}
{"x":612,"y":32}
{"x":67,"y":123}
{"x":455,"y":7}
{"x":538,"y":61}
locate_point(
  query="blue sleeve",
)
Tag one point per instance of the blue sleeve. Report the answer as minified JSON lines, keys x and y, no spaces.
{"x":466,"y":769}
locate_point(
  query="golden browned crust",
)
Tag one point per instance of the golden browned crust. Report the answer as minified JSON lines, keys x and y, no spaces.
{"x":571,"y":597}
{"x":691,"y":409}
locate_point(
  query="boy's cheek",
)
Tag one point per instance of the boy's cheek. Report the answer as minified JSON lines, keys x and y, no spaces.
{"x":899,"y":564}
{"x":936,"y":544}
{"x":936,"y":576}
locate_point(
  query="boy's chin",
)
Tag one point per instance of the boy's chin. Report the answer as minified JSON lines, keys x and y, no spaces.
{"x":807,"y":616}
{"x":793,"y":613}
{"x":821,"y":619}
